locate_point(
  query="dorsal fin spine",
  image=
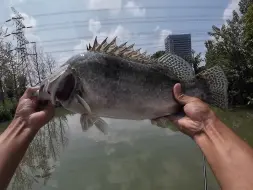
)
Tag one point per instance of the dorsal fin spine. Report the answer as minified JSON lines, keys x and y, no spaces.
{"x":121,"y":50}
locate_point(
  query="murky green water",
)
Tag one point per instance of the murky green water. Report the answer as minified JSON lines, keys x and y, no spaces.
{"x":135,"y":155}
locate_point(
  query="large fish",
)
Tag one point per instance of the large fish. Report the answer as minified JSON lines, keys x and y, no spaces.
{"x":118,"y":82}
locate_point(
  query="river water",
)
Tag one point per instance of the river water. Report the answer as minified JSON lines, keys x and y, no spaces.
{"x":133,"y":156}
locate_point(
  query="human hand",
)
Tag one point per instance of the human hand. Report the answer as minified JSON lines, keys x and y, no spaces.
{"x":197,"y":114}
{"x":27,"y":110}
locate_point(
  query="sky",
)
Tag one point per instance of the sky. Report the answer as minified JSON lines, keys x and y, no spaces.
{"x":64,"y":28}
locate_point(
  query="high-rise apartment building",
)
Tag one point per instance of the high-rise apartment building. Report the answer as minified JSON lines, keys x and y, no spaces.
{"x":179,"y":44}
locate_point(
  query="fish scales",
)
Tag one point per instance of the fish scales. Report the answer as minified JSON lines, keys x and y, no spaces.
{"x":115,"y":86}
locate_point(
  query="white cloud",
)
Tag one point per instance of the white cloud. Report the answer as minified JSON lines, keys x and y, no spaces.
{"x":94,"y":26}
{"x":81,"y":46}
{"x":228,"y":12}
{"x":30,"y":21}
{"x":163,"y":34}
{"x":135,"y":9}
{"x":121,"y":32}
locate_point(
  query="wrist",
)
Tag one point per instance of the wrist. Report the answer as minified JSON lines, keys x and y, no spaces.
{"x":210,"y":128}
{"x":19,"y":127}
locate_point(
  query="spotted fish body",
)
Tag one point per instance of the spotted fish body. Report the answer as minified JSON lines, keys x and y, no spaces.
{"x":117,"y":82}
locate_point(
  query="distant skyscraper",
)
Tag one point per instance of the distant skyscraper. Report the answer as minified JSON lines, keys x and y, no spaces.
{"x":179,"y":44}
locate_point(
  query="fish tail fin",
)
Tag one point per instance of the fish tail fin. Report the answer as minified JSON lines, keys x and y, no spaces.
{"x":88,"y":121}
{"x":217,"y":86}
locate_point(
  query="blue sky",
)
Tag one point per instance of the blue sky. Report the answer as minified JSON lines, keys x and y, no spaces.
{"x":145,"y":23}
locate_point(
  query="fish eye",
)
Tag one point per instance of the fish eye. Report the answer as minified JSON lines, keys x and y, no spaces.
{"x":49,"y":92}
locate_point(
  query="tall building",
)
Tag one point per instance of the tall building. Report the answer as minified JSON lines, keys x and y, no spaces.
{"x":179,"y":44}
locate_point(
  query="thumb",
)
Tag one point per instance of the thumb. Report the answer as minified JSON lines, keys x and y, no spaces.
{"x":45,"y":115}
{"x":179,"y":96}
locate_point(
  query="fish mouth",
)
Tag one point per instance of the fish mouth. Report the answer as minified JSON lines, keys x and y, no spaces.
{"x":59,"y":87}
{"x":65,"y":88}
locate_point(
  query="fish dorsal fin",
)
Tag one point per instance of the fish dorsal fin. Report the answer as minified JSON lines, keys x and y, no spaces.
{"x":177,"y":65}
{"x":102,"y":45}
{"x":90,"y":47}
{"x":121,"y":50}
{"x":95,"y":44}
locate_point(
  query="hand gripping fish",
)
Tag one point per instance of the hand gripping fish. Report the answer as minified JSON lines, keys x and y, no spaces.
{"x":119,"y":82}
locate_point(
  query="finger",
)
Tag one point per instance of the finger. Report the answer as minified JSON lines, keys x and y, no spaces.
{"x":45,"y":115}
{"x":29,"y":93}
{"x":48,"y":111}
{"x":174,"y":118}
{"x":181,"y":123}
{"x":189,"y":127}
{"x":180,"y":97}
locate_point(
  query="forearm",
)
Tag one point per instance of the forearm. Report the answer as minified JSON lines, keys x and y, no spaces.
{"x":14,"y":142}
{"x":230,"y":158}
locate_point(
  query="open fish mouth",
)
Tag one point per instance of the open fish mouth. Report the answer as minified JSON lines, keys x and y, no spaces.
{"x":65,"y":88}
{"x":59,"y":87}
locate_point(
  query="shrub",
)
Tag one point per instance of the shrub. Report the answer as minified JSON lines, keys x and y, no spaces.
{"x":7,"y":110}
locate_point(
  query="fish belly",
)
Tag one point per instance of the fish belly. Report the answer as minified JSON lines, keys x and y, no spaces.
{"x":138,"y":111}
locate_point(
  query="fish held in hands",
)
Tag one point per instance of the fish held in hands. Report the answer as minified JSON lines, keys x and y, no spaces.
{"x":119,"y":82}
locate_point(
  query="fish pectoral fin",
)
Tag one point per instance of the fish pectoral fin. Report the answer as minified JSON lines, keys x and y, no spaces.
{"x":86,"y":122}
{"x":101,"y":124}
{"x":86,"y":107}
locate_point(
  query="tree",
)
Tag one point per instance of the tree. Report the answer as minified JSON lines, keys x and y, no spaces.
{"x":229,"y":50}
{"x":195,"y":61}
{"x":49,"y":63}
{"x":244,"y":5}
{"x":158,"y":54}
{"x":248,"y":30}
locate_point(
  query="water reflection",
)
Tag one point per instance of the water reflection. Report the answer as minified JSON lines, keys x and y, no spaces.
{"x":42,"y":155}
{"x":135,"y":155}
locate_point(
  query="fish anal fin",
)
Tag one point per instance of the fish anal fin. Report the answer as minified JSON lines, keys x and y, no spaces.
{"x":101,"y":125}
{"x":86,"y":122}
